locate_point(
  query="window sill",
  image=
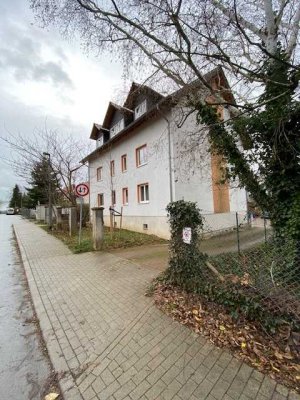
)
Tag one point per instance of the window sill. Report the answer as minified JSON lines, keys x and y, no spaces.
{"x":141,"y":165}
{"x":144,"y":202}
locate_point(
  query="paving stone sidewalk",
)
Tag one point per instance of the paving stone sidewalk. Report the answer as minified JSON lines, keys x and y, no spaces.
{"x":111,"y":342}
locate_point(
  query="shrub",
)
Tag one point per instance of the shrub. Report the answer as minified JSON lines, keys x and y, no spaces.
{"x":185,"y":259}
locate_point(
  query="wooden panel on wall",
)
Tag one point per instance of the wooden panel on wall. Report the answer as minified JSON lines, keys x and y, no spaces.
{"x":220,"y":189}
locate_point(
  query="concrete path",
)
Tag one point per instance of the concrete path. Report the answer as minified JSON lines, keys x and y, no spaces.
{"x":156,"y":256}
{"x":112,"y":342}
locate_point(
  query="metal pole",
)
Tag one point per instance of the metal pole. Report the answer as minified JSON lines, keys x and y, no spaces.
{"x":238,"y":232}
{"x":50,"y":194}
{"x":80,"y":220}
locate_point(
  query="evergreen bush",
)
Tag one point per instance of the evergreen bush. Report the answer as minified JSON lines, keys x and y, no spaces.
{"x":186,"y":260}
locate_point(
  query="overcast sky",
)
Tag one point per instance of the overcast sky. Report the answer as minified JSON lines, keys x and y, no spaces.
{"x":46,"y":79}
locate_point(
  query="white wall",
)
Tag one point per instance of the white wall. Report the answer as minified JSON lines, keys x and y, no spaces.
{"x":192,"y":161}
{"x":190,"y":171}
{"x":155,"y":173}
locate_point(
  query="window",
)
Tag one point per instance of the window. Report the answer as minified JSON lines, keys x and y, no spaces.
{"x":143,"y":193}
{"x":100,"y":199}
{"x":140,"y":109}
{"x":124,"y":162}
{"x":141,"y":155}
{"x":112,"y":168}
{"x":113,"y":197}
{"x":125,"y":196}
{"x":117,"y":128}
{"x":99,"y":142}
{"x":99,"y":174}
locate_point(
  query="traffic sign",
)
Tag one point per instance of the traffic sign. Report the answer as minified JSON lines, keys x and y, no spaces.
{"x":82,"y":189}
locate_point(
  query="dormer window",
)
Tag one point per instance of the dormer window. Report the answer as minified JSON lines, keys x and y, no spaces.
{"x":117,"y":128}
{"x":140,"y":109}
{"x":99,"y":142}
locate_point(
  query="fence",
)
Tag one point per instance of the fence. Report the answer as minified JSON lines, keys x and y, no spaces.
{"x":259,"y":275}
{"x":28,"y":213}
{"x":236,"y":231}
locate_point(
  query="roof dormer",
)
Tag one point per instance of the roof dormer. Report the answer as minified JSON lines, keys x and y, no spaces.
{"x":117,"y":127}
{"x":140,"y":109}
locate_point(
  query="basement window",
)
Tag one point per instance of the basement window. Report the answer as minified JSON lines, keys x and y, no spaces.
{"x":145,"y":227}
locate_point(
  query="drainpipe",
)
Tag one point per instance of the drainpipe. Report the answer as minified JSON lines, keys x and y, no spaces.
{"x":169,"y":152}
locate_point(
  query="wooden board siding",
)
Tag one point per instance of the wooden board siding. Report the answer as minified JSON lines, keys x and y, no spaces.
{"x":220,"y":190}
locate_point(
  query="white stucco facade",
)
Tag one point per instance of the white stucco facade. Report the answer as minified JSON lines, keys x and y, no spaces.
{"x":178,"y":167}
{"x":155,"y":173}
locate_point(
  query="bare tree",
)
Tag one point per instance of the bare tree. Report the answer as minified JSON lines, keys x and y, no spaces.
{"x":65,"y":155}
{"x":183,"y":39}
{"x":257,"y":44}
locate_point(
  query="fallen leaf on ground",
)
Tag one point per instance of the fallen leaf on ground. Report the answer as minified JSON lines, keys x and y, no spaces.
{"x":275,"y":355}
{"x":51,"y":396}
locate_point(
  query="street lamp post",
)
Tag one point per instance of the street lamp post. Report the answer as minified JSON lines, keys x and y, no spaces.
{"x":49,"y":190}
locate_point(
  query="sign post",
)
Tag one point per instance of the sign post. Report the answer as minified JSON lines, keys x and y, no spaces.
{"x":81,"y":190}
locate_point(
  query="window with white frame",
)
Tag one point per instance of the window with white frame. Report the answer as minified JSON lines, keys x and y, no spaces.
{"x":99,"y":142}
{"x":140,"y":109}
{"x":124,"y":162}
{"x":113,"y":198}
{"x":141,"y":155}
{"x":117,"y":128}
{"x":99,"y":174}
{"x":143,"y":193}
{"x":125,"y":196}
{"x":100,"y":199}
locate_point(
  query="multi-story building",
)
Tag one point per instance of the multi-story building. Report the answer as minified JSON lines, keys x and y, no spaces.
{"x":151,"y":151}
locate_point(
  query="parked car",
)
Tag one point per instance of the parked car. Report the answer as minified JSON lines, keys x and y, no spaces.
{"x":10,"y":211}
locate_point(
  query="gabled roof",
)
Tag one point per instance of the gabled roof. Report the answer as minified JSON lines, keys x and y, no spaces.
{"x":112,"y":107}
{"x":137,"y":89}
{"x":95,"y":131}
{"x":216,"y":76}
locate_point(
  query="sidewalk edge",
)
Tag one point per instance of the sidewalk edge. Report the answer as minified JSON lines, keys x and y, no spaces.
{"x":67,"y":384}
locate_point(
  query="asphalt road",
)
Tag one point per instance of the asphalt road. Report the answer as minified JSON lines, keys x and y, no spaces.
{"x":24,"y":368}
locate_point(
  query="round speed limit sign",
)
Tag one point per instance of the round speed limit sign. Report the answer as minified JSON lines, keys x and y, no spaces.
{"x":82,"y":190}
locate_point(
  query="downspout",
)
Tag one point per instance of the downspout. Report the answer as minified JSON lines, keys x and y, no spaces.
{"x":169,"y":153}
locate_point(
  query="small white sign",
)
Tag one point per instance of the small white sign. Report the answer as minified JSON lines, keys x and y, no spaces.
{"x":187,"y":235}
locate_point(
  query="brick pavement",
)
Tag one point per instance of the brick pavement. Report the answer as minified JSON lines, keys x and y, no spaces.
{"x":110,"y":340}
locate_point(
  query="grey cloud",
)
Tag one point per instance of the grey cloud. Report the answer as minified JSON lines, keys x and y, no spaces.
{"x":17,"y":118}
{"x":21,"y":53}
{"x":53,"y":72}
